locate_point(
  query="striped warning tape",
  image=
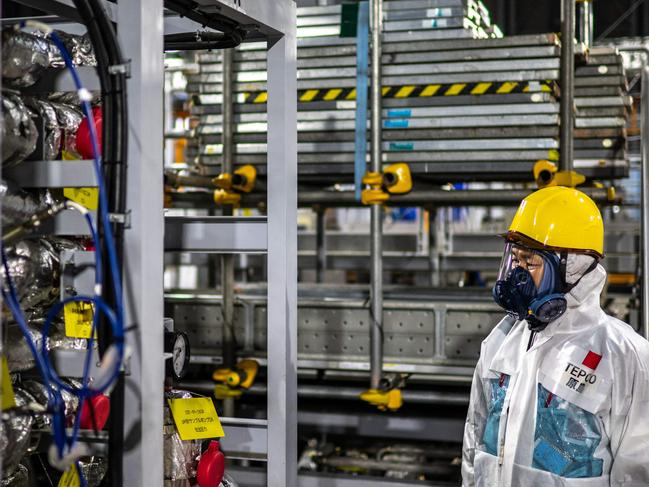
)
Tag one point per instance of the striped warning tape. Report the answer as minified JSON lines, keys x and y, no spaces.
{"x":415,"y":91}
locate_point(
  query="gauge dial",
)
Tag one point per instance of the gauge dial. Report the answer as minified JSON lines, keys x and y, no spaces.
{"x":177,"y":345}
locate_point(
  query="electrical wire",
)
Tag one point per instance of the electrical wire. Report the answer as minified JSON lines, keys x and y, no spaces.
{"x":115,"y":318}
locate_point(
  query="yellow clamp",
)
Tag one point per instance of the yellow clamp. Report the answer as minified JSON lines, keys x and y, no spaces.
{"x":232,"y":185}
{"x":384,"y":400}
{"x":395,"y":179}
{"x":233,"y":381}
{"x":547,"y":174}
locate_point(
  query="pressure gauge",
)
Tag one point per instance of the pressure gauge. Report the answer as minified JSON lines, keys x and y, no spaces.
{"x":177,"y":348}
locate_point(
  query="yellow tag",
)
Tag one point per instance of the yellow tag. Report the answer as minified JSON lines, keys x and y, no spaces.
{"x":69,"y":156}
{"x":196,"y":418}
{"x":78,"y":319}
{"x":88,"y":197}
{"x":7,"y":399}
{"x":70,"y":478}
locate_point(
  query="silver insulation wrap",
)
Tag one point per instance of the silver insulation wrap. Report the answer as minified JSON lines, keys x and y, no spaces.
{"x":48,"y":127}
{"x":19,"y":357}
{"x":79,"y":47}
{"x":15,"y":434}
{"x":94,"y":470}
{"x":19,"y":478}
{"x":69,"y":118}
{"x":18,"y":206}
{"x":39,"y":392}
{"x":180,"y":457}
{"x":25,"y":56}
{"x":18,"y":130}
{"x":35,"y":269}
{"x":228,"y":481}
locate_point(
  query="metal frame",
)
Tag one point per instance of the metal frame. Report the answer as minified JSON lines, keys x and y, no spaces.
{"x":141,"y":35}
{"x":141,"y":28}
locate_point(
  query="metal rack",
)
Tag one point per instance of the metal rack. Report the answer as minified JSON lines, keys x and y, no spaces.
{"x":141,"y":26}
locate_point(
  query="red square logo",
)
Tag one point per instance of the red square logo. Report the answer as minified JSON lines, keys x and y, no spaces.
{"x":592,"y":360}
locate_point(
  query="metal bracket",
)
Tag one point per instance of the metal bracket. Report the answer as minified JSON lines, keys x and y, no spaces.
{"x":124,"y":68}
{"x":121,"y":218}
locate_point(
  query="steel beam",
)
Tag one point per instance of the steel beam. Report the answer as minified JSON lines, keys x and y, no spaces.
{"x":567,"y":83}
{"x":282,"y":248}
{"x":216,"y":234}
{"x":376,"y":220}
{"x":645,"y":202}
{"x":141,"y":35}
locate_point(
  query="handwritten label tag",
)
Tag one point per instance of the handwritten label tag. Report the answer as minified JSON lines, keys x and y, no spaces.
{"x":78,"y":319}
{"x":70,"y":478}
{"x":88,"y":197}
{"x":7,"y":398}
{"x":196,"y":418}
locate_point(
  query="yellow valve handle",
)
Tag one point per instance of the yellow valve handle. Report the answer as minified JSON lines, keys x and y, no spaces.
{"x":225,"y":197}
{"x":227,"y":376}
{"x":221,"y":391}
{"x":383,"y":400}
{"x":245,"y":178}
{"x":547,"y":174}
{"x":373,"y":179}
{"x":249,"y":369}
{"x":374,"y":197}
{"x":223,"y":181}
{"x":397,"y":178}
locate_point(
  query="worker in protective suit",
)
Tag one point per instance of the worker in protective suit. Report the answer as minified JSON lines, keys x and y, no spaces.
{"x":560,"y":394}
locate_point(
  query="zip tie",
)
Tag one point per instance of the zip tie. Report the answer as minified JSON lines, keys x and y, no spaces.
{"x":84,"y":95}
{"x":76,"y":206}
{"x":35,"y":24}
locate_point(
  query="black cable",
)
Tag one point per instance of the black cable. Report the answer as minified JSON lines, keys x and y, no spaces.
{"x":192,"y":41}
{"x":112,"y":75}
{"x":115,"y":175}
{"x":191,"y":10}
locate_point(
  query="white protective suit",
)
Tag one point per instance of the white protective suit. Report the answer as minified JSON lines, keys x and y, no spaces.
{"x":573,"y":410}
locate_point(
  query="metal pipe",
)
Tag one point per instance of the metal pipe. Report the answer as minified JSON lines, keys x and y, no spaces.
{"x":321,"y":244}
{"x":432,"y":468}
{"x":376,"y":224}
{"x":566,"y":142}
{"x":346,"y":393}
{"x":227,"y":260}
{"x":176,"y":180}
{"x":644,"y":110}
{"x":586,"y":23}
{"x":433,"y":249}
{"x":433,"y":197}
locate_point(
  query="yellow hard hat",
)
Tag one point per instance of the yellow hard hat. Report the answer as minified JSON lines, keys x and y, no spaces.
{"x":559,"y":218}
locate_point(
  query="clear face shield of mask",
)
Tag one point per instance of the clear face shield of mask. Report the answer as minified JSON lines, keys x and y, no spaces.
{"x":529,"y":286}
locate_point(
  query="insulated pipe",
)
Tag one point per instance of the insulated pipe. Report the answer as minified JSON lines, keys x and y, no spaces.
{"x":346,"y":393}
{"x":227,"y":260}
{"x":586,"y":23}
{"x":566,"y":143}
{"x":433,"y":197}
{"x":376,"y":223}
{"x":644,"y":110}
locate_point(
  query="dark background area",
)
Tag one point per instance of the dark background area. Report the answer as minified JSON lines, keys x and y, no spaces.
{"x":536,"y":16}
{"x":513,"y":16}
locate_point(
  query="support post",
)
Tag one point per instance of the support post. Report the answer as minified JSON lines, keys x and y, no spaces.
{"x":282,"y":253}
{"x":141,"y":35}
{"x":321,"y":244}
{"x":586,"y":23}
{"x":566,"y":143}
{"x":644,"y":111}
{"x":376,"y":223}
{"x":229,"y":343}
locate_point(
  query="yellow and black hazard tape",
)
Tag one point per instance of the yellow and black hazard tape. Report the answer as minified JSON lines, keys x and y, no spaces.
{"x":415,"y":91}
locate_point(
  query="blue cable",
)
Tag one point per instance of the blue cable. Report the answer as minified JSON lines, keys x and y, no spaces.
{"x":116,"y":319}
